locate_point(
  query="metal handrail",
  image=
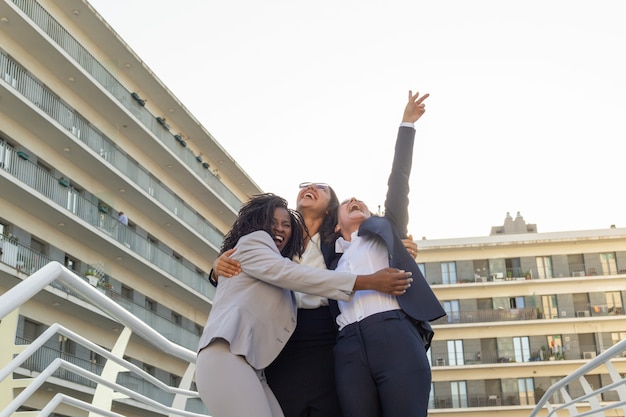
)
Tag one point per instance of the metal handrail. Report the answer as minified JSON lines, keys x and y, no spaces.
{"x":24,"y":291}
{"x":589,"y":399}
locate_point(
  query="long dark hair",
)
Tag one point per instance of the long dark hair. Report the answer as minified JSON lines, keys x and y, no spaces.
{"x":327,"y":229}
{"x":258,"y":214}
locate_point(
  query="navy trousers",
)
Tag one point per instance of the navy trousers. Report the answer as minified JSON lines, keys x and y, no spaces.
{"x":303,"y":376}
{"x":381,"y":367}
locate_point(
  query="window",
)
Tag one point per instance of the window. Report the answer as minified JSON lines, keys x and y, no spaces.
{"x":455,"y":352}
{"x":448,"y":272}
{"x":128,"y":292}
{"x":555,"y":347}
{"x":67,"y":345}
{"x":459,"y":394}
{"x":431,"y":397}
{"x":72,"y":264}
{"x":37,"y":246}
{"x":177,"y":318}
{"x":32,"y":330}
{"x":576,"y":265}
{"x":44,"y":167}
{"x":153,"y":245}
{"x":451,"y":307}
{"x":96,"y":358}
{"x":481,"y":270}
{"x":513,"y":267}
{"x":175,"y":380}
{"x":550,"y":308}
{"x":200,"y":273}
{"x":614,"y":303}
{"x":151,"y":305}
{"x":516,"y":302}
{"x":521,"y":348}
{"x":544,"y":267}
{"x":6,"y":151}
{"x":72,"y":199}
{"x":617,"y":337}
{"x":148,"y":368}
{"x":422,"y":268}
{"x":609,"y":265}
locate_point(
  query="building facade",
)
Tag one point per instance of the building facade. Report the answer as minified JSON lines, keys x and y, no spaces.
{"x":524,"y":310}
{"x":88,"y":132}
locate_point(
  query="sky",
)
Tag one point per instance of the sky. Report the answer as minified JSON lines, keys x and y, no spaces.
{"x":526,"y":112}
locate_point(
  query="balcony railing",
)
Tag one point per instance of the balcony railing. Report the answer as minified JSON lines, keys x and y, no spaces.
{"x":482,"y":316}
{"x":82,"y":130}
{"x":482,"y":400}
{"x":527,"y":313}
{"x":68,"y":199}
{"x":92,"y":66}
{"x":26,"y":261}
{"x":518,"y":274}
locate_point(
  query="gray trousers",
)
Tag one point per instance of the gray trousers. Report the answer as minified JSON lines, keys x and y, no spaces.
{"x":230,"y":387}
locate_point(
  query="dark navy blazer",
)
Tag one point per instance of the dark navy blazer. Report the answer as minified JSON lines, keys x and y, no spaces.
{"x":419,"y":302}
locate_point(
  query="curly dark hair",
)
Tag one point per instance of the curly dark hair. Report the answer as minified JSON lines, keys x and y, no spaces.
{"x":258,"y":214}
{"x":327,"y":229}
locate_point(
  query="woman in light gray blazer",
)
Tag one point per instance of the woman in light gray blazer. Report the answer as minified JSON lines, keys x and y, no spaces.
{"x":254,"y":315}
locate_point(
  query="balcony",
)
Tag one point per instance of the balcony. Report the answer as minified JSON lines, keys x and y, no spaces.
{"x":27,"y":261}
{"x":485,"y":316}
{"x":43,"y":182}
{"x":81,"y":130}
{"x":82,"y":58}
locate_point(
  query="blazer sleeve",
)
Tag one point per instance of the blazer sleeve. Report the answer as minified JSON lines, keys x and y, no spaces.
{"x":261,"y":260}
{"x":397,"y":199}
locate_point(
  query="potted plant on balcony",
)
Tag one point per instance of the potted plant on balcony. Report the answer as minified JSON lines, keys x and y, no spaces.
{"x":528,"y":275}
{"x":93,"y":276}
{"x":104,"y":286}
{"x":139,"y":100}
{"x":163,"y":122}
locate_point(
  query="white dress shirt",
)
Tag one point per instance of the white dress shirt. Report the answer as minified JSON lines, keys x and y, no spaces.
{"x":363,"y":256}
{"x":312,"y":256}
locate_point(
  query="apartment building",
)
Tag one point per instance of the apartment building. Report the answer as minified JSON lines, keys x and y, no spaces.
{"x":524,"y":310}
{"x":88,"y":132}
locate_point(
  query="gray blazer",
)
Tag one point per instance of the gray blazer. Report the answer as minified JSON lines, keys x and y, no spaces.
{"x":256,"y":310}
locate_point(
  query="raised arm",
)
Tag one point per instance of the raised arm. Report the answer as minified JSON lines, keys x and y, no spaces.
{"x":397,"y":200}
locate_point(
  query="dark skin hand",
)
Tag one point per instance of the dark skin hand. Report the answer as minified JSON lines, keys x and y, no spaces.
{"x":388,"y":281}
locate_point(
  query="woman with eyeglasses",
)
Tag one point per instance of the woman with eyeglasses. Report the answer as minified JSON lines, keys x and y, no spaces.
{"x":303,"y":375}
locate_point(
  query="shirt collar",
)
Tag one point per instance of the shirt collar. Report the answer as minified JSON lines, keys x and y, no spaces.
{"x":342,"y":245}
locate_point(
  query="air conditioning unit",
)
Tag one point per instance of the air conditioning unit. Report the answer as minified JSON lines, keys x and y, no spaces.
{"x":589,"y":355}
{"x":481,"y":279}
{"x":582,"y":313}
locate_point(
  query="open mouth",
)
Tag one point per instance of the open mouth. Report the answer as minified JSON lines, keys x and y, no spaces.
{"x":354,"y":207}
{"x":308,"y":195}
{"x":278,"y":239}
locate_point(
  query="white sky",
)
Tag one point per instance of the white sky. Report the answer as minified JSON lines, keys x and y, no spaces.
{"x":527,"y":109}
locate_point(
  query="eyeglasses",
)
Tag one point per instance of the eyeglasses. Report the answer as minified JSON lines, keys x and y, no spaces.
{"x":318,"y":185}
